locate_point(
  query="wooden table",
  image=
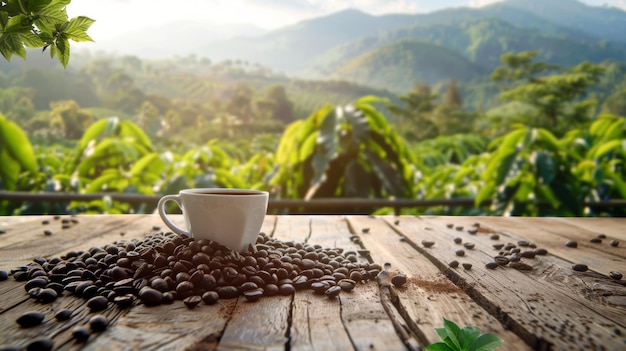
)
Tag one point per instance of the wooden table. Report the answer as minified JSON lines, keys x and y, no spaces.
{"x":551,"y":307}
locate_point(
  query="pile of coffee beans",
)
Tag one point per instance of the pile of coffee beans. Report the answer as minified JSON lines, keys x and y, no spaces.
{"x":164,"y":267}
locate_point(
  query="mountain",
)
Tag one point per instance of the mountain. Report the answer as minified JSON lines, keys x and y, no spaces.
{"x":481,"y":41}
{"x":291,"y":48}
{"x":607,"y":23}
{"x":398,"y":65}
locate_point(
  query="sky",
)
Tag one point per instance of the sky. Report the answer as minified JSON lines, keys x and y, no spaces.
{"x":116,"y":17}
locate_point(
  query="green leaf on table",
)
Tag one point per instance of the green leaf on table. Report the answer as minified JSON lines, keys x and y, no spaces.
{"x":486,"y":342}
{"x":453,"y":331}
{"x":438,"y":346}
{"x":469,"y":334}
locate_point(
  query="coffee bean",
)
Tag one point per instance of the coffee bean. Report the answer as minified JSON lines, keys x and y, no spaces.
{"x":467,"y":266}
{"x":150,"y":296}
{"x":501,"y":260}
{"x":333,"y":292}
{"x":614,"y":243}
{"x":459,"y":228}
{"x":227,"y":292}
{"x":615,"y":275}
{"x":253,"y":295}
{"x":541,"y":252}
{"x":30,"y":319}
{"x":81,"y":334}
{"x":494,"y":237}
{"x":498,"y":246}
{"x":271,"y":290}
{"x":46,"y":295}
{"x":125,"y":300}
{"x":523,"y":243}
{"x":571,"y":243}
{"x":98,"y":323}
{"x":210,"y":297}
{"x":492,"y":265}
{"x":472,"y":231}
{"x":527,"y":254}
{"x":458,"y":240}
{"x":428,"y":243}
{"x":346,"y":284}
{"x":595,"y":240}
{"x":580,"y":267}
{"x":41,"y":344}
{"x":38,"y":282}
{"x":97,"y":303}
{"x":398,"y":280}
{"x":453,"y":264}
{"x":63,"y":315}
{"x":450,"y":225}
{"x":4,"y":275}
{"x":287,"y":289}
{"x":192,"y":301}
{"x":459,"y":252}
{"x":47,"y":232}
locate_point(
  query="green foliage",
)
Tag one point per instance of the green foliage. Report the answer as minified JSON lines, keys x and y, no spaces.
{"x":346,"y":151}
{"x":16,"y":154}
{"x":40,"y":24}
{"x":467,"y":339}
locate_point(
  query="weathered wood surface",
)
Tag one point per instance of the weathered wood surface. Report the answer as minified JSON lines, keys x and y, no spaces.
{"x":550,"y":307}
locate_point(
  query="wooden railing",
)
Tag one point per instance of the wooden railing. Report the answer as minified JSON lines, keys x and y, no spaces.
{"x":317,"y":206}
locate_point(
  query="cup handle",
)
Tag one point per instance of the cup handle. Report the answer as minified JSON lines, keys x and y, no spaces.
{"x":161,"y":208}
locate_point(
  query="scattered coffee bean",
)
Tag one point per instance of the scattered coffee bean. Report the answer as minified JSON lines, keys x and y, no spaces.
{"x":467,"y":266}
{"x":63,"y":315}
{"x":615,"y":275}
{"x":97,"y":303}
{"x":523,"y":243}
{"x":527,"y":254}
{"x":501,"y":260}
{"x":346,"y":284}
{"x":494,"y":237}
{"x":601,"y":236}
{"x":192,"y":301}
{"x":47,"y":232}
{"x":399,"y":280}
{"x":428,"y":243}
{"x":580,"y":267}
{"x":498,"y":246}
{"x":210,"y":297}
{"x":469,"y":246}
{"x":98,"y":323}
{"x":571,"y":243}
{"x":4,"y":275}
{"x":2,"y":231}
{"x":365,"y":230}
{"x":614,"y":243}
{"x":30,"y":319}
{"x":459,"y":228}
{"x":46,"y":295}
{"x":460,"y":252}
{"x":491,"y":265}
{"x":458,"y":240}
{"x":81,"y":334}
{"x":450,"y":225}
{"x":333,"y":292}
{"x":453,"y":264}
{"x":41,"y":344}
{"x":595,"y":240}
{"x":150,"y":296}
{"x":472,"y":231}
{"x":541,"y":252}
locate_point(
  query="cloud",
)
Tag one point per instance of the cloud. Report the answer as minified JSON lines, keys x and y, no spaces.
{"x":481,"y":3}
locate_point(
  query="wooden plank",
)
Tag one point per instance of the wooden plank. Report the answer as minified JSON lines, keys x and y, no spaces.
{"x":540,"y":306}
{"x":553,"y":234}
{"x":363,"y":316}
{"x":612,"y":227}
{"x":314,"y":318}
{"x":428,"y":296}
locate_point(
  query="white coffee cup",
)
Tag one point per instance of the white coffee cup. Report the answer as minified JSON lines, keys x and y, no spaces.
{"x":231,"y":217}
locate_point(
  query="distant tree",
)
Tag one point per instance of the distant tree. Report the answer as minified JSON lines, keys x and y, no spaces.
{"x":452,"y":97}
{"x":557,"y":94}
{"x":69,"y":118}
{"x":40,"y":24}
{"x":414,"y":117}
{"x":282,"y":107}
{"x":240,"y":103}
{"x":616,"y":103}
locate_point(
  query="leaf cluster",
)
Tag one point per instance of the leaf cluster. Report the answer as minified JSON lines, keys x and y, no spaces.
{"x":40,"y":24}
{"x":466,"y":339}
